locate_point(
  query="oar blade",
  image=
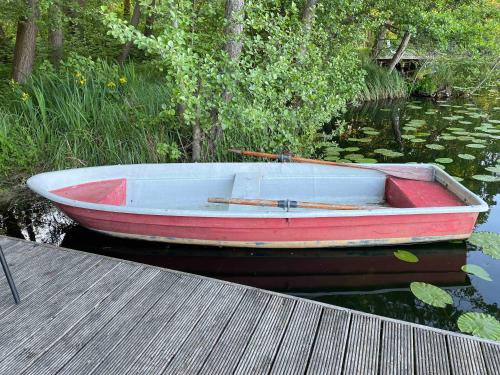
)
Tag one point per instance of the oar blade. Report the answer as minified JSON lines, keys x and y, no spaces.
{"x":408,"y":172}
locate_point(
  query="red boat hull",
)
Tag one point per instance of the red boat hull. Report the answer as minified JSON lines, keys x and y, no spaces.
{"x":278,"y":232}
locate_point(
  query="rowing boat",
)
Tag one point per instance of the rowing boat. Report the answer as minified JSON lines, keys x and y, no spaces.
{"x":170,"y":203}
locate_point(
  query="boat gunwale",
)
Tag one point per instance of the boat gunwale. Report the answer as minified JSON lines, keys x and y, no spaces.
{"x":479,"y":205}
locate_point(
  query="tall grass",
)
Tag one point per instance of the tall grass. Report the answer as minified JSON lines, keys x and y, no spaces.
{"x":381,"y":84}
{"x":81,"y":118}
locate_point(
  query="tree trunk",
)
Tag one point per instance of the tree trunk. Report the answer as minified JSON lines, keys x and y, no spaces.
{"x":399,"y":52}
{"x":25,"y":48}
{"x":233,"y":47}
{"x":379,"y":42}
{"x":150,"y":19}
{"x":126,"y":9}
{"x":134,"y":21}
{"x":307,"y":20}
{"x":234,"y":28}
{"x":56,"y":36}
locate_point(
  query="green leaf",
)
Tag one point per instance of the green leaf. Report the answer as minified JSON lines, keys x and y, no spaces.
{"x":466,"y":156}
{"x":444,"y":160}
{"x":476,"y":270}
{"x":434,"y":146}
{"x":480,"y":325}
{"x":485,"y":178}
{"x":489,"y":243}
{"x":430,"y":294}
{"x":406,"y":256}
{"x":475,"y":145}
{"x":493,"y":169}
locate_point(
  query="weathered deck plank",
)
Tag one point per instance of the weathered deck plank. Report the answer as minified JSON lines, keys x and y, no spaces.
{"x":431,"y":342}
{"x":87,"y":314}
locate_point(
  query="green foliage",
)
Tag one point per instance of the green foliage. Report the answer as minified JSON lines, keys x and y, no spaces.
{"x":406,"y":256}
{"x":379,"y":84}
{"x":430,"y":294}
{"x":476,"y":270}
{"x":480,"y":325}
{"x":89,"y":113}
{"x":488,"y":242}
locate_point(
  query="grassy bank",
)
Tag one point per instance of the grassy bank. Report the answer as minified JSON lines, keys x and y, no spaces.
{"x":381,"y":84}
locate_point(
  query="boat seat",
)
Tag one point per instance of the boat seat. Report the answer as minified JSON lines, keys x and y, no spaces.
{"x":404,"y":193}
{"x":245,"y":185}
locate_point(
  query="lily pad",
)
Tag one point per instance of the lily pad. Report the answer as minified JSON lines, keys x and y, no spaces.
{"x":407,"y":136}
{"x":371,"y":132}
{"x":493,"y":169}
{"x":486,"y":178}
{"x":489,"y":243}
{"x":354,"y":156}
{"x":331,"y":158}
{"x":475,"y":145}
{"x":480,"y":325}
{"x":434,"y":146}
{"x":476,"y":270}
{"x":366,"y":160}
{"x":448,"y":137}
{"x":466,"y":156}
{"x":351,"y":149}
{"x":406,"y":256}
{"x":444,"y":160}
{"x":417,"y":140}
{"x":459,"y":179}
{"x":430,"y":294}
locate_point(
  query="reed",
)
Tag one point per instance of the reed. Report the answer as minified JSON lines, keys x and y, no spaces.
{"x":75,"y":119}
{"x":381,"y":84}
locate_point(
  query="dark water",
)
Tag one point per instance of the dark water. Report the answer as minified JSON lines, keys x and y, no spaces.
{"x":367,"y":279}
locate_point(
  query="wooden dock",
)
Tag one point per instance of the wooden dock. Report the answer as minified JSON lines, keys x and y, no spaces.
{"x":83,"y":313}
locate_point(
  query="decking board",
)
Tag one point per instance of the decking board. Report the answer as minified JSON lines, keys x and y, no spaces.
{"x":86,"y":314}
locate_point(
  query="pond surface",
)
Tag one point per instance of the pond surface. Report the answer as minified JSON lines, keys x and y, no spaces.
{"x":460,"y":135}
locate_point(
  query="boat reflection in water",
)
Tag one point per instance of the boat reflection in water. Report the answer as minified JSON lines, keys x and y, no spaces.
{"x":291,"y":271}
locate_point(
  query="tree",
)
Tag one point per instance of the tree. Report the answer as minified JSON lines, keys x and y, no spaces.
{"x":56,"y":33}
{"x":134,"y":21}
{"x":399,"y":52}
{"x":150,"y":19}
{"x":25,"y":48}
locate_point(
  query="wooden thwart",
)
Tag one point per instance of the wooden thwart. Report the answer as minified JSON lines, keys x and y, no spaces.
{"x":287,"y":204}
{"x":408,"y":172}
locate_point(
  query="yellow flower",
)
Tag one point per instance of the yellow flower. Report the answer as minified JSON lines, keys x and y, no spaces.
{"x":123,"y":80}
{"x":82,"y":81}
{"x":78,"y":74}
{"x":25,"y":96}
{"x":111,"y":85}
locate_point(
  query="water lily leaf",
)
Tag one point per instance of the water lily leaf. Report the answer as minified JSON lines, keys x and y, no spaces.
{"x":422,"y":134}
{"x":465,"y":122}
{"x":354,"y":156}
{"x":465,"y":138}
{"x":455,"y":129}
{"x":447,"y":137}
{"x":459,"y":179}
{"x":434,"y":146}
{"x":480,"y":325}
{"x":430,"y":294}
{"x":489,"y":243}
{"x":331,"y":158}
{"x":417,"y":140}
{"x":382,"y":151}
{"x":366,"y":160}
{"x":486,"y":178}
{"x":407,"y":136}
{"x":495,"y":121}
{"x":444,"y":160}
{"x":466,"y":156}
{"x":413,"y":106}
{"x":475,"y":145}
{"x":351,"y":149}
{"x":493,"y":169}
{"x":406,"y":256}
{"x":476,"y":270}
{"x":371,"y":132}
{"x":439,"y":165}
{"x":367,"y":128}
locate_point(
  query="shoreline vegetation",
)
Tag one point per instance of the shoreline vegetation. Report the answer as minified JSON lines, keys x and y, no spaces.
{"x":103,"y":82}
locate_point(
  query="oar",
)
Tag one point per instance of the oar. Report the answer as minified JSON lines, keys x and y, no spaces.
{"x":287,"y":204}
{"x":409,"y":172}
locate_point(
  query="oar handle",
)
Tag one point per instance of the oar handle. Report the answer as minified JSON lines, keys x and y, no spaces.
{"x":287,"y":204}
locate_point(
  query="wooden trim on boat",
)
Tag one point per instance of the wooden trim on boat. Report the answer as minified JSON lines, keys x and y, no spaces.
{"x":289,"y":244}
